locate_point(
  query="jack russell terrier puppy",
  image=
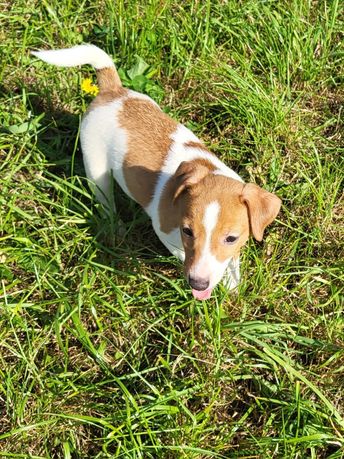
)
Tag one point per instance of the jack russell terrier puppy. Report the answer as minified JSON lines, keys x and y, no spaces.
{"x":201,"y":210}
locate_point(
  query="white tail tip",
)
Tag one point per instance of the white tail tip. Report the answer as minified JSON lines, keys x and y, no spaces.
{"x":78,"y":55}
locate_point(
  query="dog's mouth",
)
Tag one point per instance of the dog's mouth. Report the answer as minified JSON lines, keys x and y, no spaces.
{"x":202,"y":294}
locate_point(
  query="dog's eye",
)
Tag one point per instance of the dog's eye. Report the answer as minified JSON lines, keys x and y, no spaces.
{"x":231,"y":239}
{"x":187,"y":231}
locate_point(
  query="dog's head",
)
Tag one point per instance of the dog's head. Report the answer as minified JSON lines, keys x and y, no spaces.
{"x":217,"y":214}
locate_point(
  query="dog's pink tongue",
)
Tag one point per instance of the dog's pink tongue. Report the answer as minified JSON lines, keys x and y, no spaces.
{"x":202,"y":294}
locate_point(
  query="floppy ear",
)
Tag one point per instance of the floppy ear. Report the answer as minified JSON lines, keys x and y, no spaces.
{"x":188,"y":173}
{"x":262,"y":207}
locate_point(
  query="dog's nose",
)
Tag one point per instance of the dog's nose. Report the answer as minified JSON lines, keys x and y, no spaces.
{"x":198,"y":283}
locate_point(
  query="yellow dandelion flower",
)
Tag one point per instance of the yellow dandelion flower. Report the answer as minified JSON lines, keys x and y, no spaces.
{"x":88,"y":87}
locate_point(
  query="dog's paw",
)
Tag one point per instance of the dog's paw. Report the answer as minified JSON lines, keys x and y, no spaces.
{"x":121,"y":229}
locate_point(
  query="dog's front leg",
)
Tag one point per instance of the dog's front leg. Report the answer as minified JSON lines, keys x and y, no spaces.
{"x":231,"y":278}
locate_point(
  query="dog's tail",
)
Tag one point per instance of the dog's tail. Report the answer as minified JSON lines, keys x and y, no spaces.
{"x":107,"y":76}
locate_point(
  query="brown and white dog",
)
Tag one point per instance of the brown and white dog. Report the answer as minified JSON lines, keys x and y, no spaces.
{"x":201,"y":210}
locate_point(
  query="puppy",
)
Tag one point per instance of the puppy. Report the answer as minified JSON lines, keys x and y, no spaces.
{"x":201,"y":210}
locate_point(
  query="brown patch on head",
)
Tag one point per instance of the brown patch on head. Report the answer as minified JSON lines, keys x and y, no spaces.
{"x":232,"y":222}
{"x":149,"y":139}
{"x":216,"y":214}
{"x":232,"y":219}
{"x":242,"y":209}
{"x":188,"y":174}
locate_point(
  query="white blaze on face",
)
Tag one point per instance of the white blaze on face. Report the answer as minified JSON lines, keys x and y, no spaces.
{"x":207,"y":266}
{"x":210,"y":217}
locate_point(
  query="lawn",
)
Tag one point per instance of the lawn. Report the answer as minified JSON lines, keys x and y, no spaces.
{"x":103,"y":351}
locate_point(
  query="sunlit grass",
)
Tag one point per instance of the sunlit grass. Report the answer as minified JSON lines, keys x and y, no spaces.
{"x":103,"y":350}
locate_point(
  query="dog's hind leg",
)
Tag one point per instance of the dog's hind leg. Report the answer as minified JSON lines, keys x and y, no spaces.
{"x":95,"y":156}
{"x":101,"y":181}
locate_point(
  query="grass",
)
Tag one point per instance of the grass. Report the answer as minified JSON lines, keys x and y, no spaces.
{"x":103,"y":351}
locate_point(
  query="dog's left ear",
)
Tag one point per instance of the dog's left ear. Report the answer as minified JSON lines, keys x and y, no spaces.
{"x":188,"y":173}
{"x":262,"y":207}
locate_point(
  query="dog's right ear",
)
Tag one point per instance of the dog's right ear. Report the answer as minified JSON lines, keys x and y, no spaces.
{"x":262,"y":207}
{"x":188,"y":173}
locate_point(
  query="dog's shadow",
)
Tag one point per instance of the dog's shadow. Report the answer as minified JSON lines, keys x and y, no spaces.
{"x":124,"y":238}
